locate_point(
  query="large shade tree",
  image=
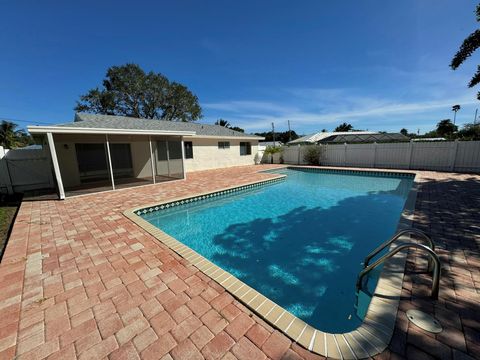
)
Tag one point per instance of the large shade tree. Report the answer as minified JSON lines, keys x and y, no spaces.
{"x":129,"y":91}
{"x":469,"y":45}
{"x":446,"y":128}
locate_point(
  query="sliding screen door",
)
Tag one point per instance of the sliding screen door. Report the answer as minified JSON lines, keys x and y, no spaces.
{"x":169,"y":158}
{"x":92,"y":162}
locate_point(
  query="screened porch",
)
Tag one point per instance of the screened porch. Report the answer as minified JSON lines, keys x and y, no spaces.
{"x":88,"y":163}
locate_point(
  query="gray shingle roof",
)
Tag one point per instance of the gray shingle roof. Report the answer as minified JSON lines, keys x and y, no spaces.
{"x":84,"y":120}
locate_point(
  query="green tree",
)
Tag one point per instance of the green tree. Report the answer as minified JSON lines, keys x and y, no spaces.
{"x":239,"y":129}
{"x":404,"y":132}
{"x":470,"y":132}
{"x":446,"y":128}
{"x":11,"y":138}
{"x":282,"y":137}
{"x":469,"y":45}
{"x":344,"y":127}
{"x":223,"y":123}
{"x":129,"y":91}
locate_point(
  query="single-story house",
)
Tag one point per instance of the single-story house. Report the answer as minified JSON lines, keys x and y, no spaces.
{"x":102,"y":152}
{"x":341,"y":137}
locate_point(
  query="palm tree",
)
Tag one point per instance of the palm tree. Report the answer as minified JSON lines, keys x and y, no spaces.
{"x":10,"y":137}
{"x":455,"y":108}
{"x":469,"y":45}
{"x":223,"y":123}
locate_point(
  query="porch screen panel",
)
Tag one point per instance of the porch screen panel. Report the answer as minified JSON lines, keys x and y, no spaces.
{"x":121,"y":160}
{"x":92,"y":162}
{"x":162,"y":158}
{"x":175,"y":159}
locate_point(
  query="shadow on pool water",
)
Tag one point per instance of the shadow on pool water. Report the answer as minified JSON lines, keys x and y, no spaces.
{"x":308,"y":260}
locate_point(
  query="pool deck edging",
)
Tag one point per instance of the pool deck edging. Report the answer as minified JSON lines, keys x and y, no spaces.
{"x":370,"y":338}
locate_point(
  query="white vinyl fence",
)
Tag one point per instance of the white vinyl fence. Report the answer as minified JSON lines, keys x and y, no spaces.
{"x":25,"y":170}
{"x":458,"y":156}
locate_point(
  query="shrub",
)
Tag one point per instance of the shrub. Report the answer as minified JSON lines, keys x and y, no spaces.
{"x":312,"y":155}
{"x":270,"y":150}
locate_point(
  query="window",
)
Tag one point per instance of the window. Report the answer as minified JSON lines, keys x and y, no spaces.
{"x":224,"y":144}
{"x":188,"y":147}
{"x":245,"y":148}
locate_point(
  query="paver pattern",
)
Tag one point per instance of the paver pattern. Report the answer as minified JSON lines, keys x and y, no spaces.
{"x":80,"y":280}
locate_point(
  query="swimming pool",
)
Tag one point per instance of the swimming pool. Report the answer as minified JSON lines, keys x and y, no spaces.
{"x":300,"y":241}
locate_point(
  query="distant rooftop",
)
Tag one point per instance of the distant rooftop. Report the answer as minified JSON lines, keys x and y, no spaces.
{"x":270,"y":143}
{"x":348,"y":137}
{"x":90,"y":121}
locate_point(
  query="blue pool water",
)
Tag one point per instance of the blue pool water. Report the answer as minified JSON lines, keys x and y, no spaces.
{"x":300,"y":242}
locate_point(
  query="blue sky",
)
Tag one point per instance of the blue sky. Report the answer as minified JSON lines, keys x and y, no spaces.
{"x":380,"y":65}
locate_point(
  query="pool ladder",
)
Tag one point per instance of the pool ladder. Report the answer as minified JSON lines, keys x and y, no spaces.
{"x":433,"y":259}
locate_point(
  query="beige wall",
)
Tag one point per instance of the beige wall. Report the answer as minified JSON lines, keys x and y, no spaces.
{"x":207,"y":155}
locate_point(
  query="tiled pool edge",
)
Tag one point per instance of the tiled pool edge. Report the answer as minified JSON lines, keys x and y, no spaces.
{"x":370,"y":338}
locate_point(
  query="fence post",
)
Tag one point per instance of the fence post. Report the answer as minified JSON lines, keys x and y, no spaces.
{"x":409,"y":154}
{"x":298,"y":155}
{"x":345,"y":155}
{"x":453,"y":155}
{"x":374,"y":154}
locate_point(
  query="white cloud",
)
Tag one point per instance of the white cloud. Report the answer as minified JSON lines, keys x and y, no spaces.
{"x":398,"y":99}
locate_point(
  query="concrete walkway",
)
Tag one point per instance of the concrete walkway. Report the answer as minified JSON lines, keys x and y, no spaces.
{"x":80,"y":280}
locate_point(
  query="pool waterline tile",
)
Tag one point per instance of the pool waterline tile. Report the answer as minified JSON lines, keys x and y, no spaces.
{"x":365,"y":341}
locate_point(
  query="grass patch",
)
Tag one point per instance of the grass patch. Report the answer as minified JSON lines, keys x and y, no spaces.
{"x":8,"y":209}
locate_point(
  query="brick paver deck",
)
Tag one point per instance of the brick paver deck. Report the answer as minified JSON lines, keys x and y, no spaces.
{"x":80,"y":280}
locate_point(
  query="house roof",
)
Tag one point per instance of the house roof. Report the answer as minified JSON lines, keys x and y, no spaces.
{"x":350,"y":136}
{"x":90,"y":123}
{"x":270,"y":143}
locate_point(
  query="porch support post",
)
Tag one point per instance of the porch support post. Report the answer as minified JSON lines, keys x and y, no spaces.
{"x":151,"y":158}
{"x":56,"y":168}
{"x":109,"y":161}
{"x":183,"y":159}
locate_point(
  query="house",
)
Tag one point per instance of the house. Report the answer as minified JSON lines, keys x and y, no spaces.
{"x":262,"y":145}
{"x":341,"y":137}
{"x":103,"y":152}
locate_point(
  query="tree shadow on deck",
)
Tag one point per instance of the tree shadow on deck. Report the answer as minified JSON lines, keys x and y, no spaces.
{"x":449,"y":210}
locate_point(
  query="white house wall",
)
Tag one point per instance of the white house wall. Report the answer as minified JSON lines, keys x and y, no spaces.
{"x":207,"y":155}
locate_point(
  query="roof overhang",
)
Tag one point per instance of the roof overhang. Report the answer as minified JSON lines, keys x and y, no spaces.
{"x":82,"y":130}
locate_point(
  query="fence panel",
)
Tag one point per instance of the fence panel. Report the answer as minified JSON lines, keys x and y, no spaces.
{"x":334,"y":155}
{"x":290,"y":154}
{"x":393,"y":155}
{"x":462,"y":156}
{"x":26,"y":169}
{"x":360,"y":155}
{"x":432,"y":156}
{"x":467,"y":158}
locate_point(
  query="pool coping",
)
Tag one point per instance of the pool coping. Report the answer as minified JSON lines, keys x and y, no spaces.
{"x":369,"y":339}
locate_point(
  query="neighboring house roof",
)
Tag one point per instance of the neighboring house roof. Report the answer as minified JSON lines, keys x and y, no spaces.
{"x":123,"y":124}
{"x":350,"y":136}
{"x":270,"y":143}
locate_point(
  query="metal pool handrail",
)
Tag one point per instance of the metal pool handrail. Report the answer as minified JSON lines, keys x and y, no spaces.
{"x":431,"y":253}
{"x":395,"y":237}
